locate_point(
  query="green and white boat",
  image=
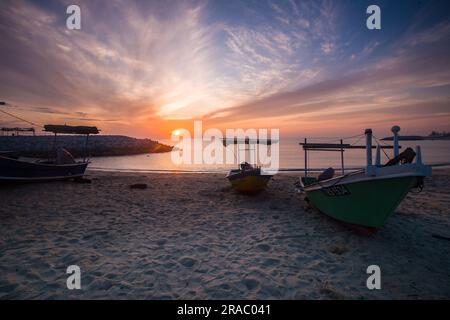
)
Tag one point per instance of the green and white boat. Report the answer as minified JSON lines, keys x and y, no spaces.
{"x":366,"y":197}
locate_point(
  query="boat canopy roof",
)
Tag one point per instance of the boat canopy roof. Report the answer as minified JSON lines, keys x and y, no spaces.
{"x":70,"y":129}
{"x":336,"y":146}
{"x":227,"y":141}
{"x":17,"y":129}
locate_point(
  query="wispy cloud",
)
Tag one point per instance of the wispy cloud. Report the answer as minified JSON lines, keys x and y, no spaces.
{"x":386,"y":87}
{"x":126,"y":62}
{"x":285,"y":52}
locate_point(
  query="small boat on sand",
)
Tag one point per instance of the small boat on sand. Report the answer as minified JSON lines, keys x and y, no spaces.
{"x":248,"y":178}
{"x":369,"y":196}
{"x":62,"y":166}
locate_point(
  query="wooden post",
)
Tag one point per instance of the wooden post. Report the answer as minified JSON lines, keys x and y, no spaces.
{"x":342,"y":157}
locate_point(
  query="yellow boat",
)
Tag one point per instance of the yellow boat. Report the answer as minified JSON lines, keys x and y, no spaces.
{"x":248,"y":179}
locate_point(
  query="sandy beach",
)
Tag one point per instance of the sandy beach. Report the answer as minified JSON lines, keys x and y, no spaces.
{"x":190,"y":236}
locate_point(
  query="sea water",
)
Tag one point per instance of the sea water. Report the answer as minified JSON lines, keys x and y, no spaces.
{"x":291,"y":156}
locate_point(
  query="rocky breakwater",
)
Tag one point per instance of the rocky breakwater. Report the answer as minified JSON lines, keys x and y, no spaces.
{"x":42,"y":146}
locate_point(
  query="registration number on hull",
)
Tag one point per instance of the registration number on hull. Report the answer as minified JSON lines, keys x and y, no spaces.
{"x":336,"y":191}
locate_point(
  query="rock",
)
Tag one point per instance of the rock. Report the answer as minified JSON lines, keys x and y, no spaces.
{"x":250,"y":283}
{"x":338,"y":250}
{"x":41,"y":146}
{"x":188,"y":262}
{"x":82,"y":180}
{"x":138,"y":186}
{"x":263,"y":247}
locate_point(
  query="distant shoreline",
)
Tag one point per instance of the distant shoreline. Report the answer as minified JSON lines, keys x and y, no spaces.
{"x":98,"y":146}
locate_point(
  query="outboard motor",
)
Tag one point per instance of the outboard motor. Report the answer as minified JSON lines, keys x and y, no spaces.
{"x":406,"y":156}
{"x":326,"y":174}
{"x":246,"y":166}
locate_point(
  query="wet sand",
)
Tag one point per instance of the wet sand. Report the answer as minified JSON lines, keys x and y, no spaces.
{"x":190,"y":236}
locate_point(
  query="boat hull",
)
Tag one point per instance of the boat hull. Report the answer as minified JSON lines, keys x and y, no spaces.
{"x":24,"y":171}
{"x":248,"y":181}
{"x":366,"y":203}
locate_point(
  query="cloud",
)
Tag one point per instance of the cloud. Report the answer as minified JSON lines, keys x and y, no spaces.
{"x":327,"y":47}
{"x":135,"y":61}
{"x":285,"y":52}
{"x":124,"y":61}
{"x":131,"y":60}
{"x":388,"y":85}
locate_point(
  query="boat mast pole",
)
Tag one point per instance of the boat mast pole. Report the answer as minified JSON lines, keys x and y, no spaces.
{"x":419,"y":156}
{"x":54,"y":147}
{"x":237,"y":158}
{"x":342,"y":157}
{"x":395,"y":130}
{"x":368,"y":134}
{"x":306,"y":159}
{"x":86,"y":148}
{"x":378,"y":156}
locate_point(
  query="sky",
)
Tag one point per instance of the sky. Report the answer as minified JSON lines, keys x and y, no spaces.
{"x":308,"y":68}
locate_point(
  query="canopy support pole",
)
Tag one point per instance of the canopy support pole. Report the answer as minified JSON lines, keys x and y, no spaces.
{"x":306,"y":160}
{"x":369,"y":146}
{"x":86,"y":148}
{"x":395,"y":130}
{"x":54,"y":146}
{"x":342,"y":157}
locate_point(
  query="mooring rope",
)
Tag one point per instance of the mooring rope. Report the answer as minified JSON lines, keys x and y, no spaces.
{"x":379,"y":143}
{"x":21,"y":119}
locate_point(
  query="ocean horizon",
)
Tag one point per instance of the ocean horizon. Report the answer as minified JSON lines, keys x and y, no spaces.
{"x":291,"y":154}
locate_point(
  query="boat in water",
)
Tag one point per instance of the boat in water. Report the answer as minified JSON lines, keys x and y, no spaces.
{"x":61,"y":167}
{"x":248,"y":178}
{"x":369,"y":196}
